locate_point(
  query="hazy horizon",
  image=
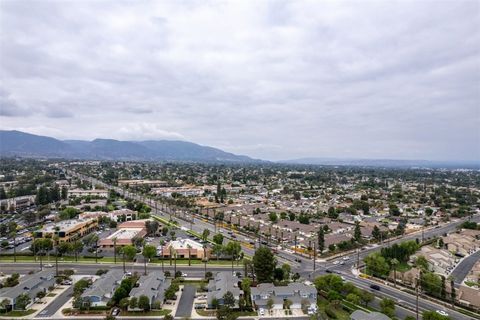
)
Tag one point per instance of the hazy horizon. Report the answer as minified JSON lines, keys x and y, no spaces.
{"x":273,"y":80}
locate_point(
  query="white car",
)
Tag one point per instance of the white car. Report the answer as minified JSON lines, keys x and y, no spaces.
{"x":49,"y":265}
{"x":442,"y":313}
{"x":346,"y":258}
{"x":336,"y":262}
{"x":184,"y":274}
{"x":261,"y":311}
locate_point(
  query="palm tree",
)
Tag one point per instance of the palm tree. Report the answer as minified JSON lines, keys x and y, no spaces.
{"x":174,"y":262}
{"x":148,"y":253}
{"x":394,"y":262}
{"x":205,"y":257}
{"x":114,"y":250}
{"x":13,"y":234}
{"x":189,"y":254}
{"x":56,"y":239}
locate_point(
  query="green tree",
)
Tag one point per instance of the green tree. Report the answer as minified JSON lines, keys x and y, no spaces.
{"x":218,"y":238}
{"x":366,"y":297}
{"x":264,"y":264}
{"x":387,"y":306}
{"x":353,"y":298}
{"x":229,"y":299}
{"x":394,"y":263}
{"x":377,"y":265}
{"x":270,"y":303}
{"x":233,"y":249}
{"x":22,"y":301}
{"x":133,"y":303}
{"x":144,"y":303}
{"x":148,"y":253}
{"x":357,"y":232}
{"x":321,"y":240}
{"x":128,"y":253}
{"x":376,"y":234}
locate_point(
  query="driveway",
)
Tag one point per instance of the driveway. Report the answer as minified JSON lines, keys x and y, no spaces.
{"x":464,"y":267}
{"x":185,"y":304}
{"x":56,"y":304}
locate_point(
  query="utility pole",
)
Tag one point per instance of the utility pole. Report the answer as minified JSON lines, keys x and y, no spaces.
{"x":416,"y":292}
{"x":295,"y":241}
{"x":314,"y":255}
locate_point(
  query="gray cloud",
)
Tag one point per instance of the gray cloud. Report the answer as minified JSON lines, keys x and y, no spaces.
{"x":271,"y":79}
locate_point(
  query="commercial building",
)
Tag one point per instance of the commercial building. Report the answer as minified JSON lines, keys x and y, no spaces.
{"x":101,"y":193}
{"x":116,"y":215}
{"x":185,"y":248}
{"x":68,"y":230}
{"x":153,"y":286}
{"x":299,"y":295}
{"x":125,"y":234}
{"x":223,"y":282}
{"x":31,"y":285}
{"x":101,"y":291}
{"x":17,"y":203}
{"x":151,"y":183}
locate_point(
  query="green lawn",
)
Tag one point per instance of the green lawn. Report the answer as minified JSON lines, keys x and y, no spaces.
{"x":162,"y":312}
{"x":18,"y":313}
{"x":207,"y":313}
{"x":51,"y":294}
{"x":339,"y":312}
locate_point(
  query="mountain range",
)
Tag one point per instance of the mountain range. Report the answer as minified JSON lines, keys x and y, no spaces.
{"x":17,"y":143}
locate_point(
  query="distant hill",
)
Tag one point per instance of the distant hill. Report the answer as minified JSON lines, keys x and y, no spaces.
{"x":385,"y":163}
{"x":17,"y":143}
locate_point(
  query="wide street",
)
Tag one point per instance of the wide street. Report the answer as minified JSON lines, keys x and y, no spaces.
{"x":464,"y":267}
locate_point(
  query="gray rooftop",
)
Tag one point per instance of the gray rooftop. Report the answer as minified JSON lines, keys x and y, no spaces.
{"x":362,"y":315}
{"x":222,"y":283}
{"x":104,"y":286}
{"x":29,"y":284}
{"x":152,"y":285}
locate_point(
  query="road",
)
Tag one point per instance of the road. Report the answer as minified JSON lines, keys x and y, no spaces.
{"x":195,"y":271}
{"x":464,"y":267}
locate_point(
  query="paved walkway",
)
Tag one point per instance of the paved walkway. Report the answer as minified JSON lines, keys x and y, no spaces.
{"x":185,"y":305}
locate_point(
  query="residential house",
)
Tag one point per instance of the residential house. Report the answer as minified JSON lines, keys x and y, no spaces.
{"x":153,"y":286}
{"x":101,"y":291}
{"x":298,"y":293}
{"x":30,"y":284}
{"x":222,"y":283}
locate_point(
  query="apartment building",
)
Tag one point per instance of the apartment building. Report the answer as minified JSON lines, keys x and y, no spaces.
{"x":223,"y":282}
{"x":153,"y":286}
{"x":31,"y":285}
{"x":101,"y":291}
{"x":297,"y":293}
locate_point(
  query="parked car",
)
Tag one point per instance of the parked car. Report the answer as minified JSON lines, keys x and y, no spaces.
{"x":115,"y":312}
{"x":261,"y":311}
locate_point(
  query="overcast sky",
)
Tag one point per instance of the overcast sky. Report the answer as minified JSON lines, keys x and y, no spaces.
{"x":268,"y":79}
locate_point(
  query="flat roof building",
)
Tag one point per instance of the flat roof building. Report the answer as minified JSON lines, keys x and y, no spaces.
{"x":125,"y":234}
{"x":68,"y":230}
